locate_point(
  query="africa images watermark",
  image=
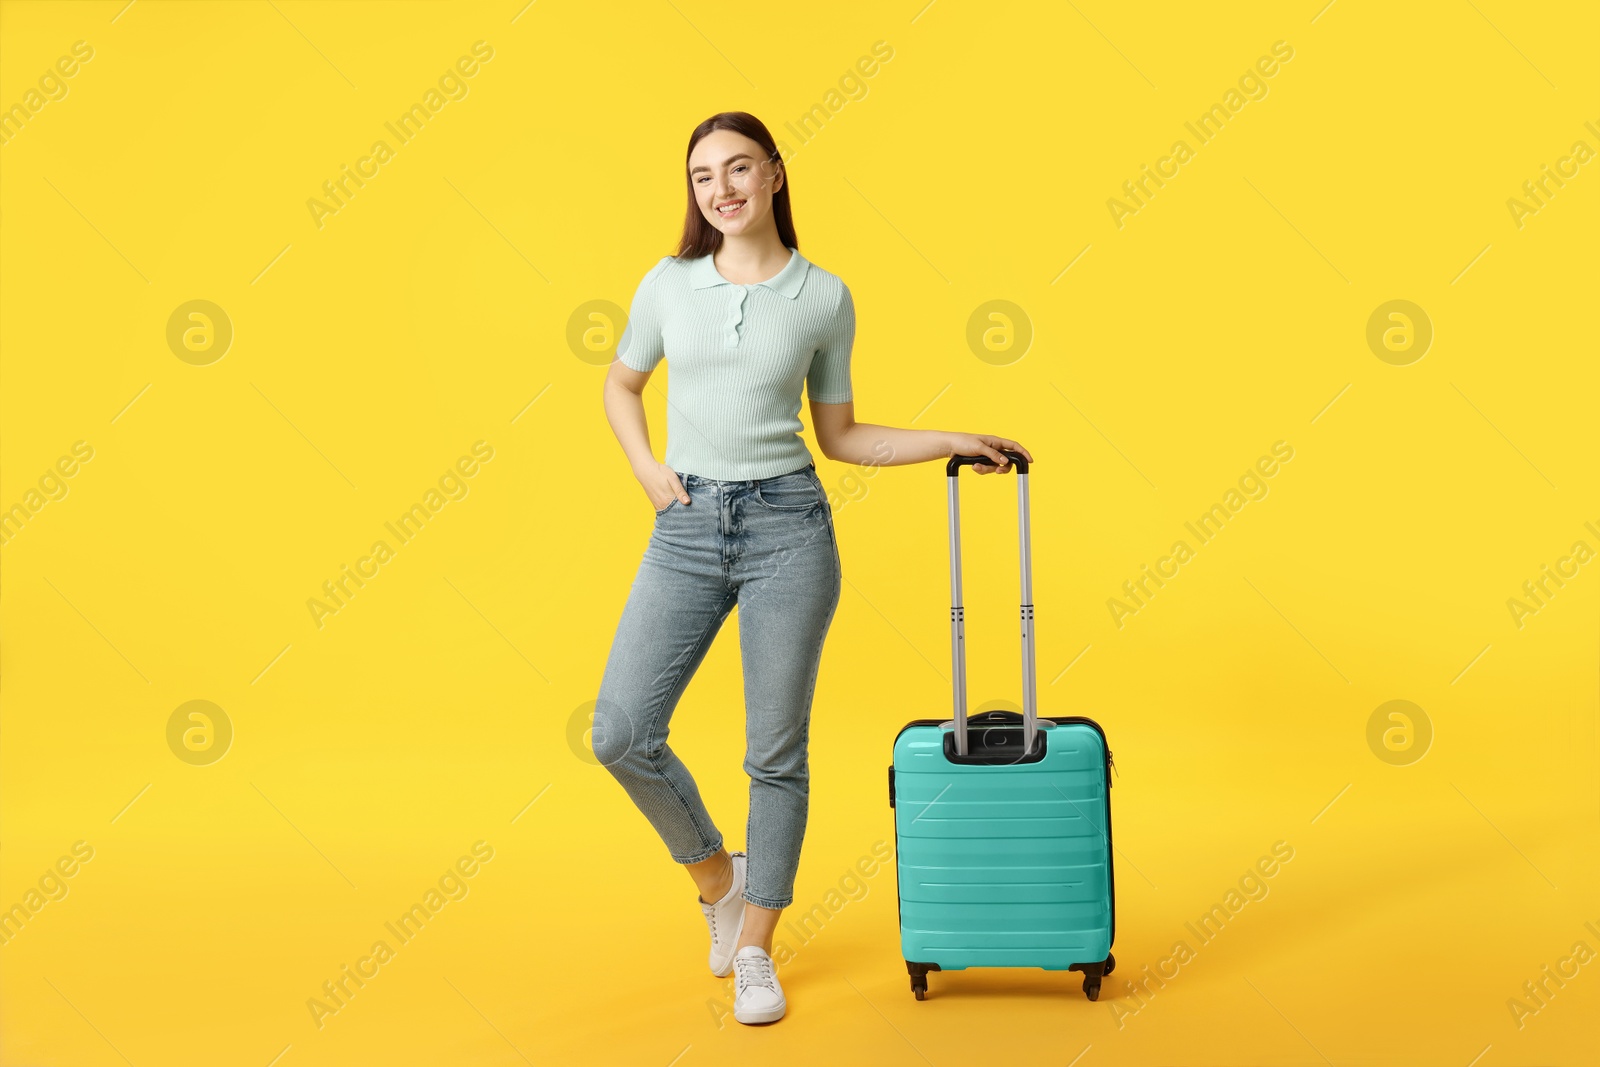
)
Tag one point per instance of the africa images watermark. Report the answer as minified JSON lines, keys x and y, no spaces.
{"x":1538,"y":191}
{"x":1539,"y":992}
{"x":51,"y":886}
{"x":52,"y":486}
{"x":830,"y":504}
{"x":852,"y":484}
{"x":1252,"y":86}
{"x":452,"y":84}
{"x":1538,"y":592}
{"x":851,"y":88}
{"x":452,"y":885}
{"x":1252,"y":485}
{"x":1252,"y":887}
{"x":52,"y":88}
{"x":852,"y":886}
{"x":452,"y":485}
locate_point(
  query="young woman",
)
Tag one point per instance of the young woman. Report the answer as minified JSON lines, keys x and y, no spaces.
{"x":740,"y":518}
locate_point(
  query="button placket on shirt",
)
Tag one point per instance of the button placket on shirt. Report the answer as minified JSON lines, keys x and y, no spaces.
{"x":735,"y":316}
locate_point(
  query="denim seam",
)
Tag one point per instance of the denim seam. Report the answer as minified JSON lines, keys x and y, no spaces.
{"x":704,"y":855}
{"x":833,"y":537}
{"x":655,"y":721}
{"x":805,"y":737}
{"x":791,"y":509}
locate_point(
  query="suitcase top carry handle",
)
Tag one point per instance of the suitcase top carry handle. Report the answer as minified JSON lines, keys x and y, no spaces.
{"x":958,"y":643}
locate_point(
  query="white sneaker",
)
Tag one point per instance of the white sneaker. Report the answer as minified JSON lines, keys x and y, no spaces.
{"x":725,"y":919}
{"x":757,"y":996}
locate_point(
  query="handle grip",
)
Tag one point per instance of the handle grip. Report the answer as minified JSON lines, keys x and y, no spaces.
{"x":953,"y":467}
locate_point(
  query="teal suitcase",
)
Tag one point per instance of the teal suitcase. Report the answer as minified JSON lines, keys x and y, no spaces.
{"x":1002,"y":822}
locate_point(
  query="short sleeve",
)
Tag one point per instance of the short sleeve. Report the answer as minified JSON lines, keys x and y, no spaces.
{"x":828,"y":381}
{"x":641,"y":347}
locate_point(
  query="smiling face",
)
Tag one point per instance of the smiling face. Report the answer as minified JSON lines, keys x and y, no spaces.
{"x":733,"y":182}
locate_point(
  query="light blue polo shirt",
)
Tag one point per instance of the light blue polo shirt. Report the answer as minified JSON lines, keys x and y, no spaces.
{"x":738,"y":355}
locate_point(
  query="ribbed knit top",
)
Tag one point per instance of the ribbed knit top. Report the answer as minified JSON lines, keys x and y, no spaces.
{"x":738,"y":356}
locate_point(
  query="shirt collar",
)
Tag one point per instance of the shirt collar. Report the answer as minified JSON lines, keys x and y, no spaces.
{"x":703,"y":274}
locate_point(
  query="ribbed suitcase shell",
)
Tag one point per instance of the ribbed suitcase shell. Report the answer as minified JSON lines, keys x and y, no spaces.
{"x":1004,"y":865}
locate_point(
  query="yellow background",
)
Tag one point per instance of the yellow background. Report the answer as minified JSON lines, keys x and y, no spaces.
{"x":434,"y":308}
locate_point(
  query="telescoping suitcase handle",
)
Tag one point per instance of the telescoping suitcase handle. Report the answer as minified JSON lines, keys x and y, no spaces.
{"x":958,"y":644}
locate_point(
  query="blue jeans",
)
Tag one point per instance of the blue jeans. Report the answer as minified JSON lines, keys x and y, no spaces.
{"x":767,"y":545}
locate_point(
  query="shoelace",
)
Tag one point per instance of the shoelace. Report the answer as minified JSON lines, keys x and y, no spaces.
{"x":755,"y":971}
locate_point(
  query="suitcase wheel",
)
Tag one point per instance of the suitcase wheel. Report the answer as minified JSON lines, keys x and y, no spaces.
{"x":1092,"y":973}
{"x":919,"y":977}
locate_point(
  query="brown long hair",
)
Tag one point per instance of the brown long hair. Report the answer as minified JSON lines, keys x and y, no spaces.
{"x":700,"y":238}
